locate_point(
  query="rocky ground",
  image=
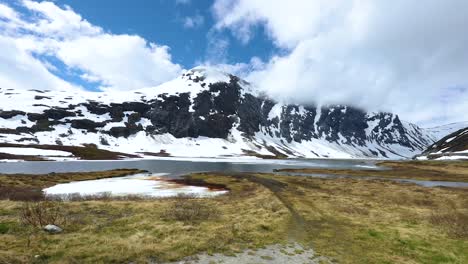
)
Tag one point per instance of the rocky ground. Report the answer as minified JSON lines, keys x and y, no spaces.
{"x":274,"y":254}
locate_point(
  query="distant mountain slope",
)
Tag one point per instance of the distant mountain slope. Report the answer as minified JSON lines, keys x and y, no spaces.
{"x":452,"y":146}
{"x":439,"y":132}
{"x":204,"y":113}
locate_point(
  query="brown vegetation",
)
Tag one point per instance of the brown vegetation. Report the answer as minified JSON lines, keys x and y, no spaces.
{"x":7,"y":156}
{"x":418,"y":170}
{"x":189,"y":209}
{"x":85,"y":152}
{"x":40,"y":214}
{"x":349,"y":220}
{"x":110,"y":231}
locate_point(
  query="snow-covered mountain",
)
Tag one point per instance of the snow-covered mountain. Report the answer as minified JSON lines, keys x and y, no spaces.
{"x":439,"y":132}
{"x":452,"y":146}
{"x":204,"y":113}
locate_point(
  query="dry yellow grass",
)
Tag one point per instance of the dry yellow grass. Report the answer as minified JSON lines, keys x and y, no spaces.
{"x":349,"y":220}
{"x":122,"y":231}
{"x":378,"y":221}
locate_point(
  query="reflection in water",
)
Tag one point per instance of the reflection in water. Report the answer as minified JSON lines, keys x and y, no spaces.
{"x":418,"y":182}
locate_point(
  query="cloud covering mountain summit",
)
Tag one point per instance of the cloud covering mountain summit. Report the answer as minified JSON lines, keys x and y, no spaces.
{"x":399,"y":56}
{"x":404,"y":56}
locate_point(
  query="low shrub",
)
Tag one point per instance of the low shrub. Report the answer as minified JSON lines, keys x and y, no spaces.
{"x":190,"y":209}
{"x":39,"y":214}
{"x":14,"y":193}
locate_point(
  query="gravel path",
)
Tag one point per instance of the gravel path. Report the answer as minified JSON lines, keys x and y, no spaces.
{"x":280,"y":254}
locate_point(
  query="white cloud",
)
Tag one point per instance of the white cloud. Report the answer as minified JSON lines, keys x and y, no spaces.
{"x":20,"y":70}
{"x":194,"y":21}
{"x":400,"y":56}
{"x":119,"y":62}
{"x":8,"y":13}
{"x":52,"y":20}
{"x":288,"y":22}
{"x":242,"y":70}
{"x":217,"y":48}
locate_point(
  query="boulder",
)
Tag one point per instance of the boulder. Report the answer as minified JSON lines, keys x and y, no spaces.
{"x":53,"y":229}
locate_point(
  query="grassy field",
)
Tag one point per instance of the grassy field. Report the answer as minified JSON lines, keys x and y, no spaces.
{"x":418,"y":170}
{"x":347,"y":220}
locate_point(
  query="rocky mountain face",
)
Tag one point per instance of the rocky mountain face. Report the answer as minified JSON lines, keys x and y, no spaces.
{"x":452,"y":146}
{"x":204,"y":113}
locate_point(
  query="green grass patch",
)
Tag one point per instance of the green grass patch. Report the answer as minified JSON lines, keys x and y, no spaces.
{"x":4,"y":228}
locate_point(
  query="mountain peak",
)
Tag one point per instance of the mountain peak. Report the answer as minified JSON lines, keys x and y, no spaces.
{"x":207,"y":74}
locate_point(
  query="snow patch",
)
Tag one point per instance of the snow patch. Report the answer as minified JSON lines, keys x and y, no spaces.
{"x":140,"y":185}
{"x":34,"y":152}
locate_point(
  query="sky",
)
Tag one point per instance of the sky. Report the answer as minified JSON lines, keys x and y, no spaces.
{"x":398,"y":56}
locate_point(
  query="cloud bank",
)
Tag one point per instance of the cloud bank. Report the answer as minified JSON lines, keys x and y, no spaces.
{"x":112,"y":61}
{"x":402,"y":56}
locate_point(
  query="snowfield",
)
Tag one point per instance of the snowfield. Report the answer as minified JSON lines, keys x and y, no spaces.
{"x":139,"y":185}
{"x":441,"y":131}
{"x":453,"y":157}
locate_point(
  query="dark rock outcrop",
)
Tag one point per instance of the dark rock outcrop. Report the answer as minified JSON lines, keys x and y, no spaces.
{"x":86,"y":124}
{"x":454,"y":144}
{"x":10,"y":114}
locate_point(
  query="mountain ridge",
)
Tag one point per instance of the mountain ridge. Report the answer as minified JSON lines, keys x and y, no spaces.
{"x":438,"y":132}
{"x":451,"y":147}
{"x":205,"y":113}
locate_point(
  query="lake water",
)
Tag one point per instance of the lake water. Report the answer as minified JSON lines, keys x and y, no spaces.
{"x":177,"y":167}
{"x":180,"y":167}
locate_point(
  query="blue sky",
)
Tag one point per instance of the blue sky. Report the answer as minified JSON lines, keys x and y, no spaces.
{"x":396,"y":56}
{"x":163,"y":22}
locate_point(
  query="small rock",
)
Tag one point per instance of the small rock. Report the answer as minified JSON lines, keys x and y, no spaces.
{"x":53,"y":229}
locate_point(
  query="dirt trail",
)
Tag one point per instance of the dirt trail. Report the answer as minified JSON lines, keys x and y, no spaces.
{"x":275,"y":254}
{"x":298,"y":224}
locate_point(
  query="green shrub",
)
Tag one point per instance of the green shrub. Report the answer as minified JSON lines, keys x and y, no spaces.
{"x":4,"y":228}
